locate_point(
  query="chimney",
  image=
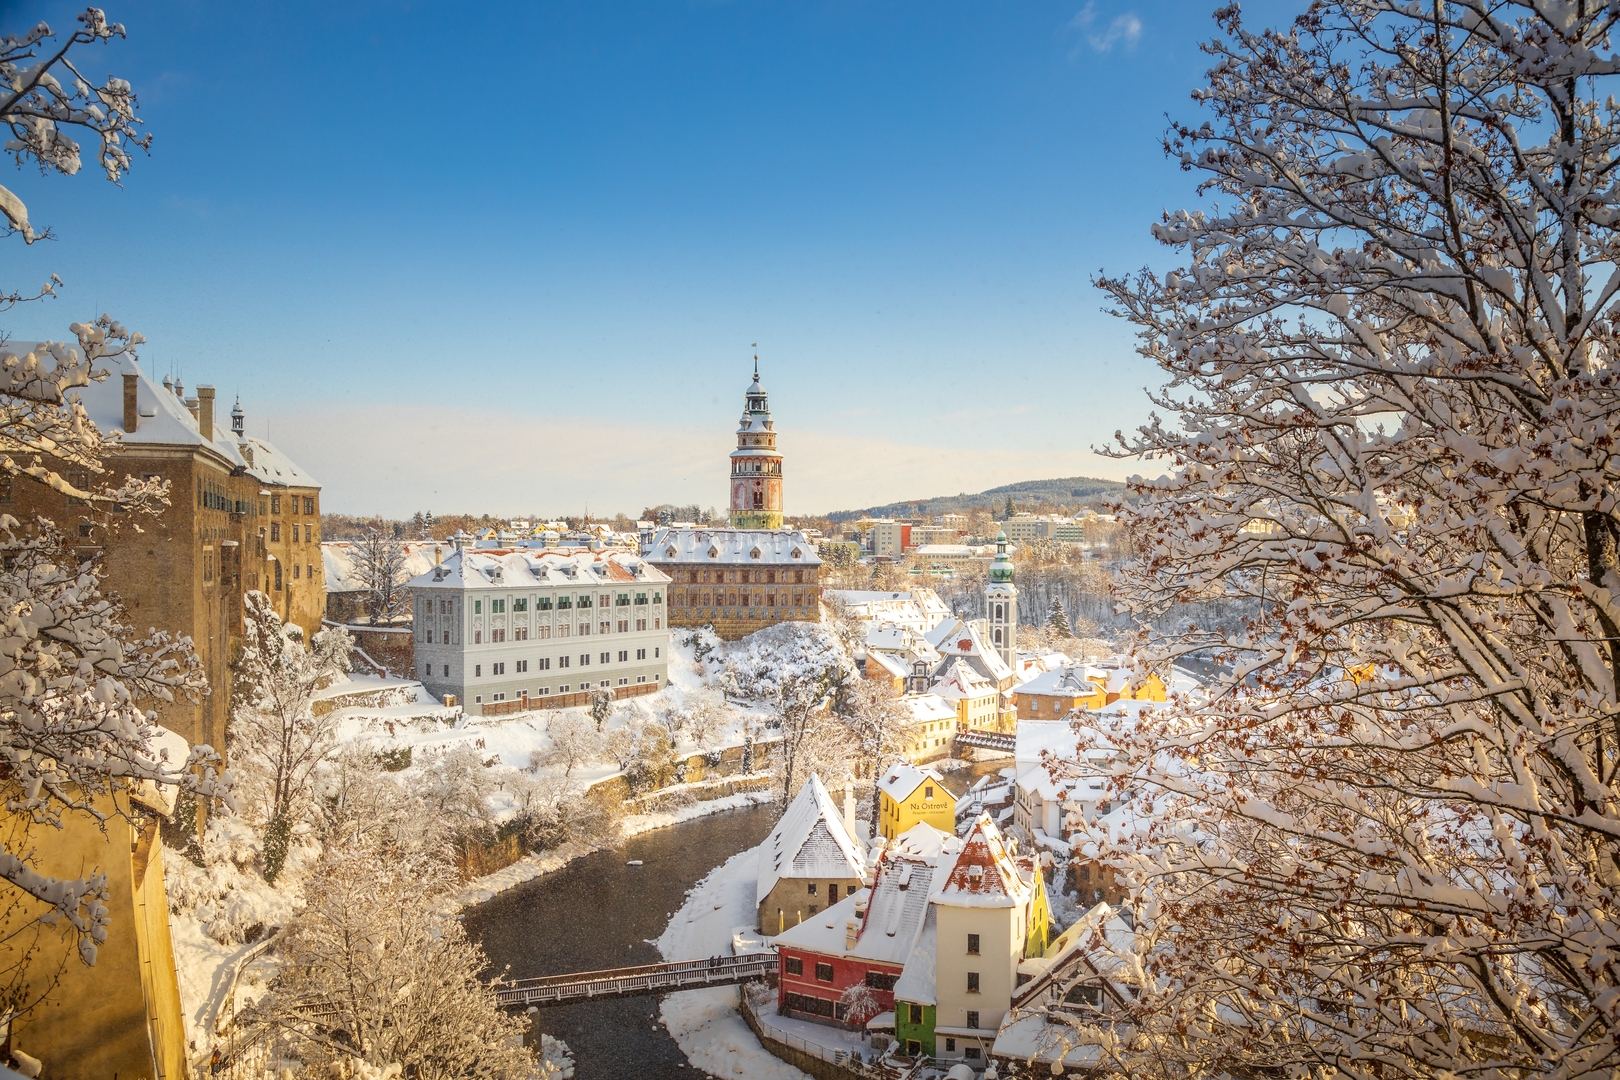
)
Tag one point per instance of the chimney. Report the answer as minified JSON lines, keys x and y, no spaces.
{"x":849,"y":808}
{"x":205,"y":412}
{"x":132,"y":412}
{"x":852,"y":933}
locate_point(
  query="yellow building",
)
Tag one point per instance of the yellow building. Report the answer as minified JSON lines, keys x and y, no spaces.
{"x":1054,"y":694}
{"x":909,"y":796}
{"x":122,"y":1017}
{"x":976,"y":699}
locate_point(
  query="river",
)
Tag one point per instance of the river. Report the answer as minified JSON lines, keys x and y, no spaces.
{"x":598,"y":912}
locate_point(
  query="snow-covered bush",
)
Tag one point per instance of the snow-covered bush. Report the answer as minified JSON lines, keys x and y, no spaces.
{"x":374,"y":973}
{"x":228,"y":894}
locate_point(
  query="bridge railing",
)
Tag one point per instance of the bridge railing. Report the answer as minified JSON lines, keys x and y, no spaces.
{"x":643,"y":979}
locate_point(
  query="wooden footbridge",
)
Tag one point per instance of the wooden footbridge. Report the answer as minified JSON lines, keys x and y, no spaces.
{"x":634,"y":981}
{"x":1006,"y":742}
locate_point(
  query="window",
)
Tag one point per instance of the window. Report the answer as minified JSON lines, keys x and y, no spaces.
{"x":520,"y":634}
{"x":478,"y":637}
{"x":564,"y":603}
{"x":444,"y":607}
{"x":584,"y":659}
{"x":973,"y":1018}
{"x":307,"y":539}
{"x":544,"y":663}
{"x":913,"y":1047}
{"x":544,"y":691}
{"x":950,"y":1046}
{"x":497,"y":669}
{"x":877,"y":980}
{"x":478,"y":671}
{"x":812,"y":888}
{"x":624,"y":626}
{"x":447,"y":637}
{"x":604,"y":658}
{"x":522,"y":665}
{"x":655,"y":653}
{"x":498,"y":634}
{"x":824,"y":972}
{"x":795,"y":965}
{"x":275,"y":508}
{"x":278,"y":573}
{"x":309,"y":504}
{"x":928,"y":791}
{"x":973,"y":987}
{"x":916,"y":1016}
{"x":497,"y":607}
{"x":624,"y":655}
{"x":447,"y":671}
{"x":478,"y":699}
{"x":584,"y":602}
{"x":623,"y":600}
{"x":832,"y":893}
{"x":973,"y":944}
{"x":521,"y":603}
{"x":623,"y":682}
{"x":562,"y":661}
{"x":478,"y":607}
{"x":563,"y":689}
{"x":498,"y":697}
{"x":297,"y":571}
{"x":309,"y":570}
{"x":542,"y":603}
{"x":275,"y":531}
{"x":641,"y":654}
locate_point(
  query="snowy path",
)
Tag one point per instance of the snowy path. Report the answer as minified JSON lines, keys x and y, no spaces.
{"x":705,"y":1023}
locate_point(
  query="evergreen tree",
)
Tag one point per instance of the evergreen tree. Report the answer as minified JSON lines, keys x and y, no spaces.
{"x":1009,"y":511}
{"x":1057,"y":620}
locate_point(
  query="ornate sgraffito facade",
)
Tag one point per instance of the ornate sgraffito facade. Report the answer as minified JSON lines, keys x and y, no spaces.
{"x":756,"y":466}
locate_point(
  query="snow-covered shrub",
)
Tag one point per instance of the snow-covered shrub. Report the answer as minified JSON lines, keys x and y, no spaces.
{"x":227,"y":894}
{"x":767,"y":661}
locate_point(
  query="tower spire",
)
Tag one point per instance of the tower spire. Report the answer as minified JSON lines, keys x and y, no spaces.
{"x":756,"y":467}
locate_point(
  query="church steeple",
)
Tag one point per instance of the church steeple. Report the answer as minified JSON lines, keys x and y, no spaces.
{"x":1001,"y":596}
{"x":756,"y":467}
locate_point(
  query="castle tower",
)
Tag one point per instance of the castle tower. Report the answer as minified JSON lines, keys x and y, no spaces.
{"x":1002,"y":595}
{"x":756,"y":467}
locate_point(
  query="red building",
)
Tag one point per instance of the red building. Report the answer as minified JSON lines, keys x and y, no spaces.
{"x":841,"y":965}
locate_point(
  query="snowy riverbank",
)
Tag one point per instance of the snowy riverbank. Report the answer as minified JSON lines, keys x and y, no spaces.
{"x":705,"y":1023}
{"x":532,"y":866}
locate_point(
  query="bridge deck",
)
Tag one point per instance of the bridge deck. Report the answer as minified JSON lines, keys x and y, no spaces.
{"x":988,"y":740}
{"x":632,"y":981}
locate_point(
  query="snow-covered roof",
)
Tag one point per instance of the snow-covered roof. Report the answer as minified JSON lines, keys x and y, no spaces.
{"x":1035,"y":737}
{"x":809,"y":841}
{"x":902,"y":778}
{"x":271,"y":466}
{"x":959,"y":680}
{"x":343,"y":573}
{"x":525,"y":568}
{"x":892,"y":665}
{"x":1069,"y":681}
{"x":747,"y":547}
{"x":958,"y":637}
{"x":916,"y":982}
{"x":926,"y":708}
{"x":984,"y":874}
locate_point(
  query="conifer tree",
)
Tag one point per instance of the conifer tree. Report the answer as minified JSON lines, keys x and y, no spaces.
{"x":1057,"y":620}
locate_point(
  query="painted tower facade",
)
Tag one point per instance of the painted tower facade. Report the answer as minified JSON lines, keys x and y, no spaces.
{"x":756,"y":467}
{"x":1002,"y":595}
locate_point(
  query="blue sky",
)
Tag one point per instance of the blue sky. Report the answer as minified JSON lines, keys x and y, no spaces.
{"x":512,"y":258}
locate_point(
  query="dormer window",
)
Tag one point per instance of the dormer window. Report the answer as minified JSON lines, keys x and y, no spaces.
{"x":754,"y":554}
{"x":669,"y":552}
{"x":714,"y":553}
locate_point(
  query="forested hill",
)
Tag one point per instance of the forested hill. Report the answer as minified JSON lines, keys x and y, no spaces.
{"x":1027,"y":495}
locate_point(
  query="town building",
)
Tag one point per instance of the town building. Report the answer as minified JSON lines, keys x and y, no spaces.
{"x":933,"y":727}
{"x":1054,"y":694}
{"x":756,"y":465}
{"x":989,"y":914}
{"x":811,"y":859}
{"x":185,"y":570}
{"x":891,"y":539}
{"x":347,"y":588}
{"x":909,"y":796}
{"x":754,"y":574}
{"x":1023,"y":528}
{"x":976,"y":699}
{"x":123,"y":1016}
{"x":500,"y":630}
{"x":917,"y":610}
{"x":864,"y":941}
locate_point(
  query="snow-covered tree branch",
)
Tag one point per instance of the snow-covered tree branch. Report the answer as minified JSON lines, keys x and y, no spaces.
{"x":1389,"y":842}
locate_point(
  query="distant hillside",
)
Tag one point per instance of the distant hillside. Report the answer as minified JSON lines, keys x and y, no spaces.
{"x":1028,"y":495}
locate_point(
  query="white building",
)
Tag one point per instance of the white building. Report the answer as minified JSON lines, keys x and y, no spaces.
{"x":512,"y":629}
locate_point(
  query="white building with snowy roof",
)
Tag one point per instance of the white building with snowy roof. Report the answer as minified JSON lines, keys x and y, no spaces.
{"x":738,"y":580}
{"x":511,"y":630}
{"x":813,"y":857}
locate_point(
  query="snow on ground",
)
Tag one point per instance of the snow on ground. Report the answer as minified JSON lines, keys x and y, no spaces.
{"x":705,"y":1023}
{"x":533,"y":866}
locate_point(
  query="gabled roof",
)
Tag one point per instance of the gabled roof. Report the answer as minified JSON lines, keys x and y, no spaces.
{"x":984,"y":874}
{"x":892,"y":665}
{"x":926,"y":708}
{"x":809,"y":841}
{"x":270,"y":465}
{"x":958,"y":637}
{"x":903,"y":778}
{"x":343,"y":575}
{"x":959,"y":680}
